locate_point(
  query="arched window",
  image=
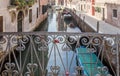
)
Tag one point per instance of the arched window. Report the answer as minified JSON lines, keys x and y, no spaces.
{"x":30,"y":15}
{"x":26,"y":12}
{"x":20,"y":18}
{"x":13,"y":16}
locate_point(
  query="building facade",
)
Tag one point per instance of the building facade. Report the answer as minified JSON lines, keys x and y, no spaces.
{"x":86,"y":6}
{"x":108,"y":10}
{"x":113,"y":14}
{"x":20,"y":15}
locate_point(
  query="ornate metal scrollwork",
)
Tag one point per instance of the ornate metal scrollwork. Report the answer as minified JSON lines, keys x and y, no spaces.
{"x":71,"y":40}
{"x":84,"y":40}
{"x":113,"y":51}
{"x":31,"y":69}
{"x":14,"y":40}
{"x":25,"y":39}
{"x":20,"y":42}
{"x":37,"y":39}
{"x":102,"y":71}
{"x":79,"y":70}
{"x":61,"y":39}
{"x":55,"y":70}
{"x":97,"y":41}
{"x":41,"y":43}
{"x":20,"y":47}
{"x":2,"y":40}
{"x":43,"y":47}
{"x":66,"y":47}
{"x":110,"y":41}
{"x":49,"y":39}
{"x":10,"y":70}
{"x":104,"y":47}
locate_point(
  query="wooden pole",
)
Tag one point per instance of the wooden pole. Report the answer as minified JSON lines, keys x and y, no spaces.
{"x":98,"y":26}
{"x":84,"y":24}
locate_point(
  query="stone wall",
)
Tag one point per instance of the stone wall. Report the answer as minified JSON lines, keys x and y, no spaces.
{"x":81,"y":24}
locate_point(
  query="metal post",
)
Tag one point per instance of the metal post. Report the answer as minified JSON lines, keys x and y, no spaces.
{"x":117,"y":42}
{"x":98,"y":26}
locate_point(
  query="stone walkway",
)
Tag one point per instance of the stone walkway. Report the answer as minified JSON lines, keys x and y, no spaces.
{"x":103,"y":26}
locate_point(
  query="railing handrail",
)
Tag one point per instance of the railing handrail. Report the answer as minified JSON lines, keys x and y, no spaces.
{"x":58,"y":33}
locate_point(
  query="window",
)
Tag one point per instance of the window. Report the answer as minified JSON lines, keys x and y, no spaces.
{"x":13,"y":16}
{"x":26,"y":12}
{"x":115,"y":13}
{"x":97,"y":9}
{"x":30,"y":15}
{"x":44,"y":9}
{"x":37,"y":12}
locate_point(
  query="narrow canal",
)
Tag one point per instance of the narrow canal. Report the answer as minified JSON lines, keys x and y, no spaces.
{"x":51,"y":24}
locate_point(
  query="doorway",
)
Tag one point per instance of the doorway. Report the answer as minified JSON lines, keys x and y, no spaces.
{"x":1,"y":23}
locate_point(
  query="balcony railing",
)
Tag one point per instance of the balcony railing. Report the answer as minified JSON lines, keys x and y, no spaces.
{"x":59,"y":54}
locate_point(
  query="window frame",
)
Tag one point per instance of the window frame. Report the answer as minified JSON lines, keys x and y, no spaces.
{"x":115,"y":13}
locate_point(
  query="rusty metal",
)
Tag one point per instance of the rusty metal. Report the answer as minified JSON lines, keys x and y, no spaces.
{"x":29,"y":53}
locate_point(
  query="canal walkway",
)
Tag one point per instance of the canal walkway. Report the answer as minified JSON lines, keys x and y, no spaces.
{"x":104,"y":27}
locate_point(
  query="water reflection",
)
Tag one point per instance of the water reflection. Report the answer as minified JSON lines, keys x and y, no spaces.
{"x":52,"y":23}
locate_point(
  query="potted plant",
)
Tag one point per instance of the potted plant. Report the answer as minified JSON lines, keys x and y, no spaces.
{"x":30,"y":3}
{"x":16,"y":2}
{"x":22,"y":3}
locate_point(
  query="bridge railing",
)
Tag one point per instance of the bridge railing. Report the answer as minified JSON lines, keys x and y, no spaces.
{"x":59,"y":54}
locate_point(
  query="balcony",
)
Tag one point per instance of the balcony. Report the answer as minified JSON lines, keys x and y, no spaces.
{"x":59,"y":54}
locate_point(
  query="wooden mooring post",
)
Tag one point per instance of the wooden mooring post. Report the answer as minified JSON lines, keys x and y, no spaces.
{"x":84,"y":23}
{"x":98,"y":26}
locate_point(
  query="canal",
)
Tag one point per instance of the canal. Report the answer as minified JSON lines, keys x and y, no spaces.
{"x":56,"y":23}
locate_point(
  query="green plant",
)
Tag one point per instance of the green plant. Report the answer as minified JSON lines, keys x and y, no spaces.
{"x":22,"y":3}
{"x":30,"y":2}
{"x":16,"y":2}
{"x":98,"y":9}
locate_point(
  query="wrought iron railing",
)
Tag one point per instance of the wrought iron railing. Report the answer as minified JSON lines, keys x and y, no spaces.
{"x":59,"y":54}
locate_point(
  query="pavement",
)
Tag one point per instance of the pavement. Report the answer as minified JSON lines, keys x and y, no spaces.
{"x":104,"y":27}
